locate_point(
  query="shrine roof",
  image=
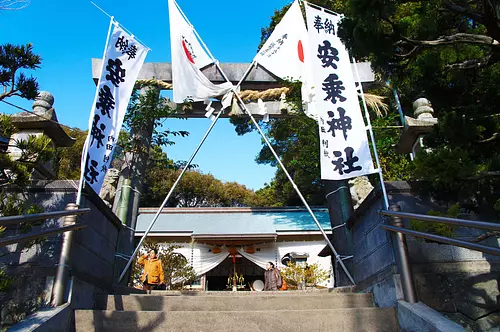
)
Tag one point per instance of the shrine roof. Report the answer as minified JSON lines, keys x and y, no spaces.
{"x":231,"y":221}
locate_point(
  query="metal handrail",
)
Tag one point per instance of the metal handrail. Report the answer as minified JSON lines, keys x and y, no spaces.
{"x":445,"y":220}
{"x":40,"y":216}
{"x":442,"y":239}
{"x":401,"y":248}
{"x":28,"y":237}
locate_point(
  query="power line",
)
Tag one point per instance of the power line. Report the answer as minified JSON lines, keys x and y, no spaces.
{"x":33,"y":113}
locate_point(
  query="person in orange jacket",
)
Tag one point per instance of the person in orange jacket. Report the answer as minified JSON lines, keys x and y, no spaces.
{"x":153,"y":271}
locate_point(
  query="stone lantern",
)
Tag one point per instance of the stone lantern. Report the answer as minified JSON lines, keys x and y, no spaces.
{"x":411,"y":140}
{"x":42,"y":122}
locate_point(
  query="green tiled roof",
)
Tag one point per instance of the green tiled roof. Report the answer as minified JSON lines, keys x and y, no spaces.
{"x":232,"y":223}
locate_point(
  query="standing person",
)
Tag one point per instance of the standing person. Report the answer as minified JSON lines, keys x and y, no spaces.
{"x":153,"y":271}
{"x":272,"y":278}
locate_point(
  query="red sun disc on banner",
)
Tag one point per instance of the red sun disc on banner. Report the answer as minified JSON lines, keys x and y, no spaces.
{"x":188,"y":54}
{"x":300,"y":50}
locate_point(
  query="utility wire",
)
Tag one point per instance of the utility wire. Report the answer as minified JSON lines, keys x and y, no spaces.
{"x":33,"y":113}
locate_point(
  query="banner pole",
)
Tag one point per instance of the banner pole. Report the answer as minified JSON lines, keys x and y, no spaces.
{"x":123,"y":27}
{"x":367,"y":115}
{"x":337,"y":256}
{"x":86,"y":145}
{"x":168,"y":197}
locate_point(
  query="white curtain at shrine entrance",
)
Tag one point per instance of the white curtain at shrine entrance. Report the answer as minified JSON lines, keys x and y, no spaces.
{"x":200,"y":256}
{"x":263,"y":253}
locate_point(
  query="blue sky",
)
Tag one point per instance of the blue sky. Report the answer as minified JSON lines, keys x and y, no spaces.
{"x":67,"y":34}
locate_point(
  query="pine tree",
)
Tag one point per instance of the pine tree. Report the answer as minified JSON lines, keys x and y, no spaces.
{"x":14,"y":59}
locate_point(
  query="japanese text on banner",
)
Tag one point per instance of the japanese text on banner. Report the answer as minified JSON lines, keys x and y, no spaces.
{"x":344,"y":148}
{"x":121,"y":65}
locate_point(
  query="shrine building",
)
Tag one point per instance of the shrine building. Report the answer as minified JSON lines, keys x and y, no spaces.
{"x":215,"y":241}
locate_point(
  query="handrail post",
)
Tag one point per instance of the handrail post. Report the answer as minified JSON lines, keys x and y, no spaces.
{"x":407,"y":281}
{"x":62,"y":269}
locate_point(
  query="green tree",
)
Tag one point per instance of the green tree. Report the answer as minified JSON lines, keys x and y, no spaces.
{"x":14,"y":59}
{"x":194,"y":190}
{"x":15,"y":175}
{"x":267,"y":196}
{"x":448,"y":52}
{"x":296,"y":139}
{"x":15,"y":172}
{"x":176,"y":269}
{"x":69,"y":158}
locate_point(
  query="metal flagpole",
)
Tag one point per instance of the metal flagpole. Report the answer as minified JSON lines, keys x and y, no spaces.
{"x":168,"y":196}
{"x":122,"y":26}
{"x":183,"y":171}
{"x":367,"y":115}
{"x":86,"y":146}
{"x":337,"y":256}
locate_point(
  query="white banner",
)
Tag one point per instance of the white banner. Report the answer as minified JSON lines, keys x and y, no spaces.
{"x":121,"y":65}
{"x":283,"y":52}
{"x":344,"y":148}
{"x":188,"y":56}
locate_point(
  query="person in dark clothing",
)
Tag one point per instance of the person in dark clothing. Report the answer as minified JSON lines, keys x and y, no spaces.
{"x":272,"y":278}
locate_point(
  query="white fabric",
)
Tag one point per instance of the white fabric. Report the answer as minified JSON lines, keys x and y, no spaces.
{"x":200,"y":256}
{"x":263,"y":254}
{"x":344,"y":148}
{"x":188,"y":56}
{"x":288,"y":57}
{"x":202,"y":259}
{"x":283,"y":52}
{"x":121,"y":64}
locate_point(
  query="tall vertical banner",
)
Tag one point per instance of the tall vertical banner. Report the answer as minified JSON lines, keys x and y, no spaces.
{"x":122,"y":62}
{"x":344,"y":148}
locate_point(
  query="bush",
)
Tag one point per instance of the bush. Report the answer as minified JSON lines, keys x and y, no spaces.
{"x":437,"y":228}
{"x":297,"y":275}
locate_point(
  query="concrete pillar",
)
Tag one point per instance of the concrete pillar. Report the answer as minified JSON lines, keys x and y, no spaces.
{"x":339,"y":201}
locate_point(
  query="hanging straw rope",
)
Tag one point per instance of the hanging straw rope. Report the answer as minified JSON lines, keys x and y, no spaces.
{"x":266,"y":95}
{"x":153,"y":82}
{"x":374,"y":102}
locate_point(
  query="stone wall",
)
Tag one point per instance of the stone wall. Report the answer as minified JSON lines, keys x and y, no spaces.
{"x":92,"y":256}
{"x":460,"y":283}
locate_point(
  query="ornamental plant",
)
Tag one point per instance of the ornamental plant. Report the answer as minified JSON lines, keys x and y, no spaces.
{"x":303,"y":275}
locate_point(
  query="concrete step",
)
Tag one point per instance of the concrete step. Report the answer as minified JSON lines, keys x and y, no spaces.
{"x":125,"y":290}
{"x":332,"y":320}
{"x":312,"y":291}
{"x":233,"y":303}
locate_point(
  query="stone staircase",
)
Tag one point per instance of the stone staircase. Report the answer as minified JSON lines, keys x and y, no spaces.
{"x":242,"y":312}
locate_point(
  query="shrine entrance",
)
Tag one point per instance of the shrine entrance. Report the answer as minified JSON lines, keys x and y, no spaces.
{"x":217,"y":279}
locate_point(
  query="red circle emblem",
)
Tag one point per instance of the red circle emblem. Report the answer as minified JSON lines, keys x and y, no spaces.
{"x":188,"y":54}
{"x":300,"y":50}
